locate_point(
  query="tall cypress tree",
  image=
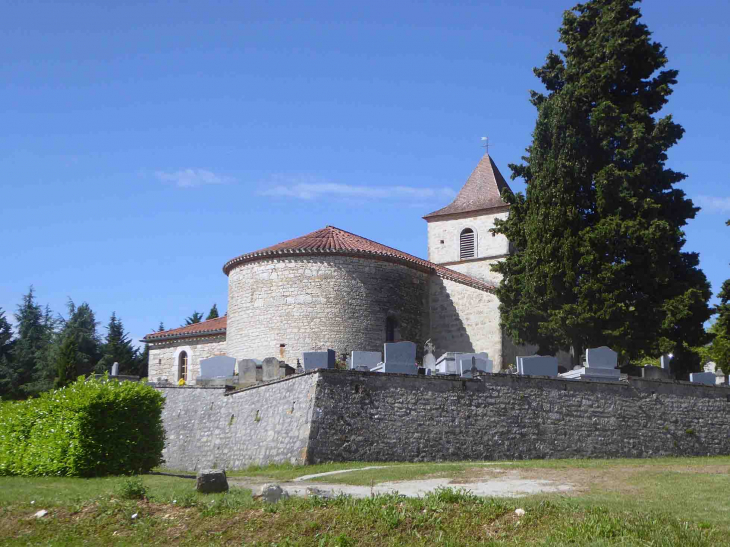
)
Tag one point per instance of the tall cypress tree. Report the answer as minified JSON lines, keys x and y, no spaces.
{"x":723,"y":309}
{"x":598,"y":235}
{"x":117,"y":348}
{"x":81,"y":324}
{"x":213,"y":313}
{"x":68,"y":356}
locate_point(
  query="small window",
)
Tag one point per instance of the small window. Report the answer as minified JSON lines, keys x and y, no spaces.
{"x":390,"y":326}
{"x":183,"y":366}
{"x":467,"y":244}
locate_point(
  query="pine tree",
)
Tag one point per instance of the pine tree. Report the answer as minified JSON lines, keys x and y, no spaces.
{"x":161,"y":328}
{"x":213,"y":313}
{"x":143,"y":361}
{"x":117,"y":348}
{"x":81,"y":324}
{"x":7,"y":374}
{"x":598,"y":235}
{"x":723,"y":309}
{"x":197,"y":317}
{"x":68,"y":357}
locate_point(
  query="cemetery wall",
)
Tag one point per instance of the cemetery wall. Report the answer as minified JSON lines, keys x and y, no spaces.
{"x":163,"y":356}
{"x":269,"y":423}
{"x":319,"y":302}
{"x":375,"y":417}
{"x":449,"y":230}
{"x":465,"y":319}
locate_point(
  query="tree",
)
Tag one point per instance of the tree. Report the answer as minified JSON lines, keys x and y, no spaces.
{"x":213,"y":313}
{"x":723,"y":309}
{"x":197,"y":317}
{"x":81,"y":324}
{"x":143,"y":361}
{"x":598,"y":235}
{"x":117,"y":348}
{"x":161,"y":328}
{"x":7,"y":374}
{"x":68,"y":356}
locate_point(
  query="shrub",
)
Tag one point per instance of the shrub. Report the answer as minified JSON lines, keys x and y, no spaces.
{"x":89,"y":428}
{"x":132,"y":488}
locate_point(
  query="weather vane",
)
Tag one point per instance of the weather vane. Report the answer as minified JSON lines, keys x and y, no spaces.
{"x":485,"y":140}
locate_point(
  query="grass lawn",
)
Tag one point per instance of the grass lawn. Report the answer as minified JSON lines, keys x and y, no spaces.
{"x":672,"y":501}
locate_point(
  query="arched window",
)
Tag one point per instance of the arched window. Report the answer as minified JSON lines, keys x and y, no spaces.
{"x":467,"y":244}
{"x":183,"y":366}
{"x":390,"y":325}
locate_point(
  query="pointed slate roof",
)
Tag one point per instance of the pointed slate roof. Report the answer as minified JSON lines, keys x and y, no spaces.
{"x":483,"y":190}
{"x":334,"y":241}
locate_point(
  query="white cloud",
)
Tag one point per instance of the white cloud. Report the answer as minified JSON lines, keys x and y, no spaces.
{"x":713,"y":203}
{"x":312,"y":190}
{"x":188,"y":178}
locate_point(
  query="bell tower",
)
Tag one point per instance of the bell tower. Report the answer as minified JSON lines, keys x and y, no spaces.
{"x":458,"y":234}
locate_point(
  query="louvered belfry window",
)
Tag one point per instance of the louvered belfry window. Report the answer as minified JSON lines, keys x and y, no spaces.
{"x":467,"y":244}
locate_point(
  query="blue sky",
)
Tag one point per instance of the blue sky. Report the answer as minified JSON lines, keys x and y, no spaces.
{"x":144,"y":144}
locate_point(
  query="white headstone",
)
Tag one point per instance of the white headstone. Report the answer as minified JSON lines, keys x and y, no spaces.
{"x":537,"y":365}
{"x":270,"y":369}
{"x":705,"y":378}
{"x":367,"y":359}
{"x":318,"y":359}
{"x":219,"y":366}
{"x":665,"y":362}
{"x":247,"y":371}
{"x":429,"y":361}
{"x":465,"y":365}
{"x":115,"y":369}
{"x":603,"y":357}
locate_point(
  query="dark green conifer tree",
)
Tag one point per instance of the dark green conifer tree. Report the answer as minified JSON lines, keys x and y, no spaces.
{"x":161,"y":328}
{"x":723,"y":309}
{"x":7,"y":374}
{"x":117,"y":348}
{"x":213,"y":313}
{"x":81,"y":324}
{"x":143,"y":360}
{"x":68,"y":356}
{"x":197,"y":317}
{"x":598,"y":235}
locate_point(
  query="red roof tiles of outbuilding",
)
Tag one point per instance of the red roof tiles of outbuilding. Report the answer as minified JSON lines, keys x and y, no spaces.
{"x":334,"y":241}
{"x":204,"y":328}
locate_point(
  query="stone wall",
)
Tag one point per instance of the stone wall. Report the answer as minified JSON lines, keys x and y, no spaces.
{"x":206,"y":428}
{"x":464,"y":319}
{"x":371,"y":417}
{"x":163,"y":362}
{"x":319,"y":302}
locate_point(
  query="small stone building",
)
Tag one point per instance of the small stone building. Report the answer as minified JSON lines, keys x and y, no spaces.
{"x":334,"y":289}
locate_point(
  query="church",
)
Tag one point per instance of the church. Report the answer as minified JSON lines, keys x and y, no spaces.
{"x":332,"y":289}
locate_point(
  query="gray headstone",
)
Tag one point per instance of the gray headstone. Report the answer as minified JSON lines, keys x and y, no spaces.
{"x":603,"y":357}
{"x":650,"y":372}
{"x":705,"y":378}
{"x":270,"y":369}
{"x":319,"y":359}
{"x":368,"y":359}
{"x":115,"y":369}
{"x":537,"y":365}
{"x":210,"y":481}
{"x":401,"y":353}
{"x":465,"y":365}
{"x":218,"y":366}
{"x":247,"y":371}
{"x":665,"y":362}
{"x":429,"y":361}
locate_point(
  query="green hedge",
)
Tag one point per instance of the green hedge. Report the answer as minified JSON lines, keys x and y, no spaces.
{"x":89,"y":428}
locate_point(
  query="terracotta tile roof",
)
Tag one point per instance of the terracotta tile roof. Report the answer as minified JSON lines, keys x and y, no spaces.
{"x":333,"y":241}
{"x":204,"y":328}
{"x":483,"y":190}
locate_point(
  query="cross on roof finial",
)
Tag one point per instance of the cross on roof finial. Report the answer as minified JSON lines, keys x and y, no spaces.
{"x":485,"y":140}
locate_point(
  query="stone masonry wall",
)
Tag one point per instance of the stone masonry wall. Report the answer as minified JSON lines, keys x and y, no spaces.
{"x":265,"y":424}
{"x":372,"y":417}
{"x":449,"y":230}
{"x":163,"y":361}
{"x":464,"y":319}
{"x":319,"y":302}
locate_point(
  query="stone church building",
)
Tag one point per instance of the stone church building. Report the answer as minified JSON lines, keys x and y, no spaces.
{"x":334,"y":289}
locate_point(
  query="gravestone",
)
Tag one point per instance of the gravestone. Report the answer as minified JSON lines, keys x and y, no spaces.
{"x":367,"y":359}
{"x":704,"y":378}
{"x":400,"y":358}
{"x":270,"y":369}
{"x":649,"y":372}
{"x":665,"y":361}
{"x":219,"y":366}
{"x":603,"y":357}
{"x":537,"y":365}
{"x":247,"y":371}
{"x":465,"y":366}
{"x":429,"y":359}
{"x":448,"y":363}
{"x":318,"y":359}
{"x":115,"y":369}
